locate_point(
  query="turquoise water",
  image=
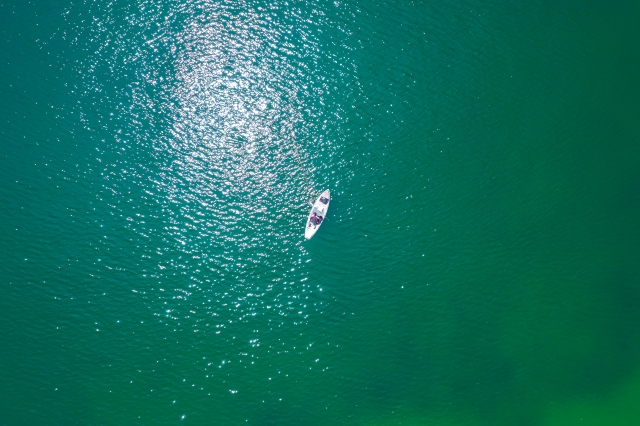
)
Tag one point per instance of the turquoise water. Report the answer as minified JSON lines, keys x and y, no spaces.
{"x":480,"y":261}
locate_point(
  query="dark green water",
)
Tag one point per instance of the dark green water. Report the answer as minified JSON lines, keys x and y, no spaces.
{"x":481,"y":260}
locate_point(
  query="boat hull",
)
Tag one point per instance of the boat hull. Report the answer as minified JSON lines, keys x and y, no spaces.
{"x":320,"y":208}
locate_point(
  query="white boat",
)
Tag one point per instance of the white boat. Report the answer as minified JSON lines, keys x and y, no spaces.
{"x":317,"y":214}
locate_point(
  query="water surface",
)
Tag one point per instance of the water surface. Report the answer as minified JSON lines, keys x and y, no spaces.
{"x":479,"y":265}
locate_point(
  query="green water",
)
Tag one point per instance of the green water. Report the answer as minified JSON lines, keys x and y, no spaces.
{"x":480,"y":264}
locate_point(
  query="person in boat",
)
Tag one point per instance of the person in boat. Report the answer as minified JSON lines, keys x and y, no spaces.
{"x":315,"y":219}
